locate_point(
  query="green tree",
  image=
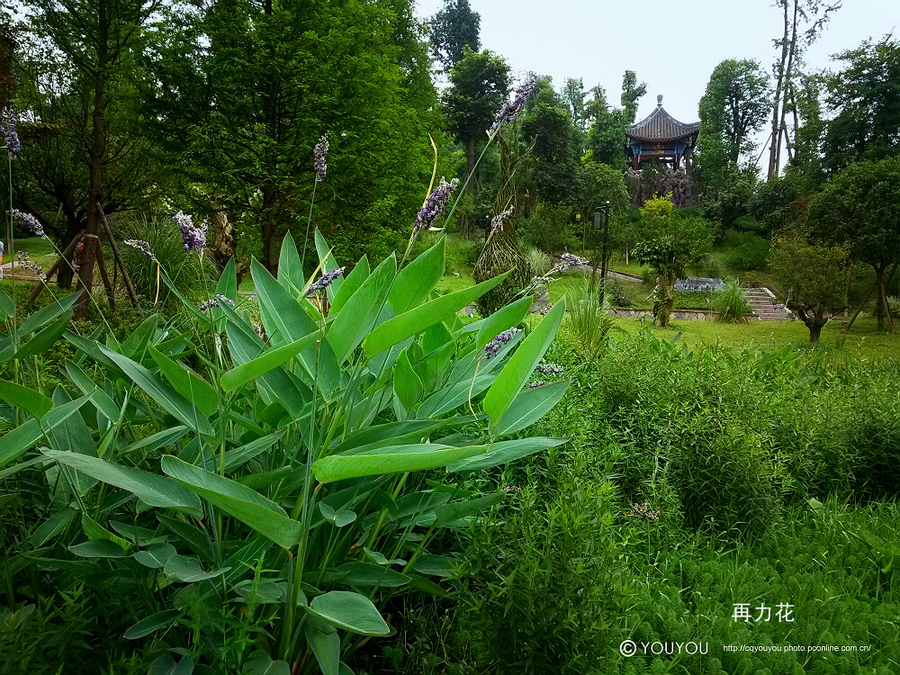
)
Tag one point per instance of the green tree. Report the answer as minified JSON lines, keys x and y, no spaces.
{"x":454,"y":28}
{"x":607,"y":132}
{"x":631,"y":93}
{"x":669,"y":243}
{"x":866,"y":99}
{"x":479,"y":84}
{"x":552,"y":161}
{"x":243,"y":107}
{"x":813,"y":280}
{"x":859,"y":207}
{"x":96,"y":44}
{"x":573,"y":95}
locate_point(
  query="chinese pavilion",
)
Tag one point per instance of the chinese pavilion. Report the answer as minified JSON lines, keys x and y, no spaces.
{"x":660,"y":138}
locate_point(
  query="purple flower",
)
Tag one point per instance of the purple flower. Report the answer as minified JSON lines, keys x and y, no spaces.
{"x":536,"y":384}
{"x":193,"y":237}
{"x":324,"y":281}
{"x":141,"y":246}
{"x":498,"y":221}
{"x":549,"y":369}
{"x":514,"y":105}
{"x":30,"y":221}
{"x":214,"y":302}
{"x":490,"y":351}
{"x":8,"y":131}
{"x":435,"y":204}
{"x":320,"y":152}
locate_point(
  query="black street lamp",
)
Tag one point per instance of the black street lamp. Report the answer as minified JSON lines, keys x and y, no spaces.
{"x":601,"y":222}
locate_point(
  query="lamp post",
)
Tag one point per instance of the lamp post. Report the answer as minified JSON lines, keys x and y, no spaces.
{"x":601,"y":222}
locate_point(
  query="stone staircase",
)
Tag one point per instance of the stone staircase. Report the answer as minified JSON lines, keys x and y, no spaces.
{"x":765,"y":306}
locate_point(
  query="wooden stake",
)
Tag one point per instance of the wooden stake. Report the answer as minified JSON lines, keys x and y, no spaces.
{"x":110,"y":291}
{"x":118,"y":256}
{"x":63,"y":258}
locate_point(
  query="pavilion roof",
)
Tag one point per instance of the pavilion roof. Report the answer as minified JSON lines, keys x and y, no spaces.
{"x":660,"y":126}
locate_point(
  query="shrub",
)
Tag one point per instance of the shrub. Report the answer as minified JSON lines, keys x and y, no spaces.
{"x":731,"y":303}
{"x":748,"y":251}
{"x":550,"y":227}
{"x":539,"y":261}
{"x":588,"y":318}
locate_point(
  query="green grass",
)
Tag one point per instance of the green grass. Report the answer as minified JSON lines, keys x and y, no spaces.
{"x":39,"y":249}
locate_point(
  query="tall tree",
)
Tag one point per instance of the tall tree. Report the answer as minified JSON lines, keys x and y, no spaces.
{"x":865,"y":96}
{"x":244,"y":90}
{"x":100,"y":41}
{"x":573,"y":95}
{"x":803,"y":22}
{"x":631,"y":94}
{"x":479,"y":84}
{"x":454,"y":28}
{"x":859,"y":207}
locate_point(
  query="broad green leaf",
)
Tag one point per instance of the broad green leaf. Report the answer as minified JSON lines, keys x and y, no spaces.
{"x":338,"y":518}
{"x":135,"y":345}
{"x":407,"y":385}
{"x":290,"y":269}
{"x":150,"y":488}
{"x":501,"y":320}
{"x":267,"y":361}
{"x":169,"y":399}
{"x":137,"y":535}
{"x":195,"y":539}
{"x":238,"y":456}
{"x":350,"y":611}
{"x":358,"y":315}
{"x":428,"y":586}
{"x":395,"y":433}
{"x":154,"y":442}
{"x":436,"y":565}
{"x":27,"y":399}
{"x":447,"y":514}
{"x":237,"y":500}
{"x":390,"y":459}
{"x":506,"y":451}
{"x":326,"y":645}
{"x":25,"y":436}
{"x":262,"y":591}
{"x":96,"y":532}
{"x":284,"y":318}
{"x":53,"y":526}
{"x":44,"y":339}
{"x":166,"y":665}
{"x":418,"y":279}
{"x":370,"y":575}
{"x":517,"y":370}
{"x":155,"y":556}
{"x":46,"y":315}
{"x":99,"y":398}
{"x":152,"y":624}
{"x":101,"y":548}
{"x":419,"y":318}
{"x":262,"y":664}
{"x":73,"y":436}
{"x":349,"y":285}
{"x":188,"y":569}
{"x":187,"y":383}
{"x":227,"y":284}
{"x":7,"y":306}
{"x":452,"y":397}
{"x":529,"y":406}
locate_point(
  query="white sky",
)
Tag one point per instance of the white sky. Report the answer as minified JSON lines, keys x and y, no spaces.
{"x":673,"y":46}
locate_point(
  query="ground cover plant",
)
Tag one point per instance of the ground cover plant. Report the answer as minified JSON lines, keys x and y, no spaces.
{"x":239,"y":499}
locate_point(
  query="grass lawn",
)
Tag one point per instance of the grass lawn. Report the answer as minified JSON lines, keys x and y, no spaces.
{"x":39,"y":249}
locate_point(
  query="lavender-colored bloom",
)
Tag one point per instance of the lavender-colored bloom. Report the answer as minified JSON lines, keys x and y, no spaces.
{"x":214,"y":302}
{"x":546,"y":310}
{"x":194,"y":237}
{"x":320,"y":152}
{"x":435,"y":204}
{"x":490,"y":351}
{"x":30,"y":221}
{"x":514,"y":105}
{"x":498,"y":221}
{"x":8,"y":131}
{"x":27,"y":264}
{"x":324,"y":281}
{"x":549,"y":369}
{"x":536,"y":384}
{"x":141,"y":246}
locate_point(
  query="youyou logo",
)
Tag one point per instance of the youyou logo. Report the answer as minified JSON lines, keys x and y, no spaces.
{"x":629,"y":648}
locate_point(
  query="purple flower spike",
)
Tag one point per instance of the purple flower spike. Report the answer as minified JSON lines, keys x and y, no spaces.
{"x":320,"y":152}
{"x":324,"y":281}
{"x":514,"y":105}
{"x":32,"y":223}
{"x":8,"y":131}
{"x":500,"y":219}
{"x":490,"y":351}
{"x":193,"y":237}
{"x":141,"y":246}
{"x":435,"y":204}
{"x":214,"y":302}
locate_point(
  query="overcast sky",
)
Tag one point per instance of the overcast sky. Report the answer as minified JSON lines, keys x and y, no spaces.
{"x":673,"y":46}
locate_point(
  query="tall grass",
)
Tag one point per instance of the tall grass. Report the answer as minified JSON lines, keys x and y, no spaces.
{"x":730,"y":303}
{"x":588,"y":317}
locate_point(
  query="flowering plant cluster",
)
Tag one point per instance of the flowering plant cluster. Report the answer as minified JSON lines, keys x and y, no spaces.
{"x":26,"y":264}
{"x":435,"y":204}
{"x":490,"y":351}
{"x":549,"y":369}
{"x":324,"y":281}
{"x":320,"y":153}
{"x":8,"y":131}
{"x":500,"y":219}
{"x":141,"y":246}
{"x":514,"y":105}
{"x":644,"y":511}
{"x":30,"y":221}
{"x":214,"y":302}
{"x":194,"y":237}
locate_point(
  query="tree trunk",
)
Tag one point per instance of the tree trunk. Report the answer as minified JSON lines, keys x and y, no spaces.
{"x":776,"y":102}
{"x":815,"y":331}
{"x":91,"y":237}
